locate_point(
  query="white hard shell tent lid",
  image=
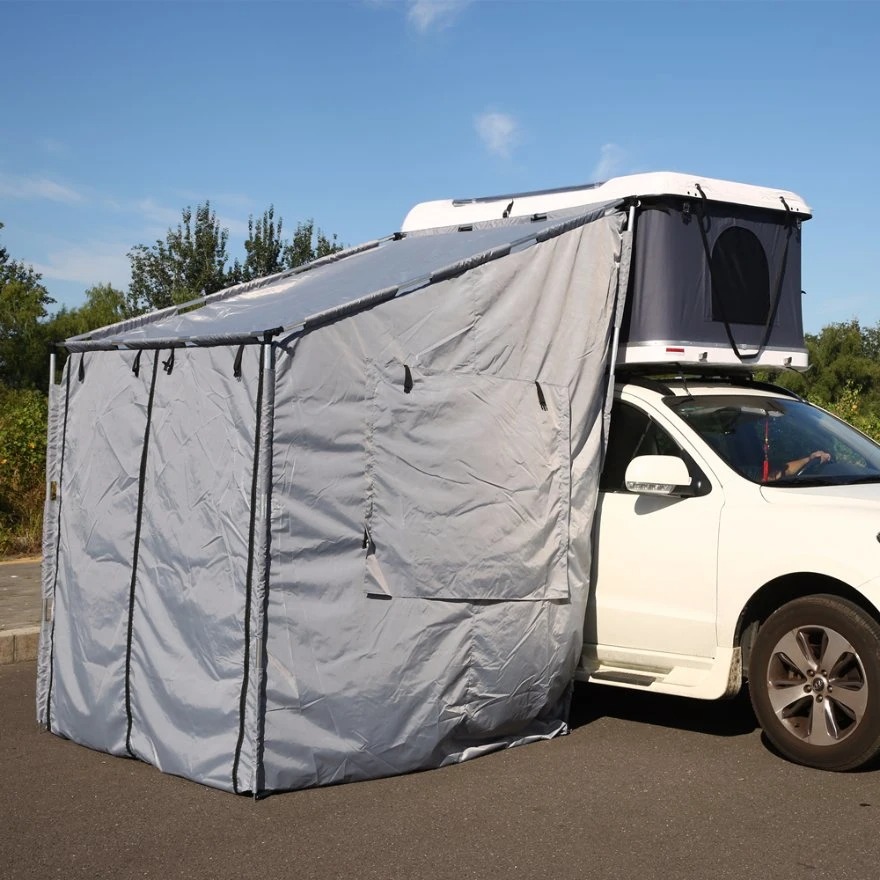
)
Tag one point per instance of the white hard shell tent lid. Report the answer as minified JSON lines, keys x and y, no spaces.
{"x":455,"y":212}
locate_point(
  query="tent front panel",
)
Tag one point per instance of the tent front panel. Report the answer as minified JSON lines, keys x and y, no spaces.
{"x":188,"y":622}
{"x":97,"y":511}
{"x":453,"y":663}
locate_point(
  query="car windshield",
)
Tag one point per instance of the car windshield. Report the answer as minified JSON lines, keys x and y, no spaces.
{"x":781,"y":441}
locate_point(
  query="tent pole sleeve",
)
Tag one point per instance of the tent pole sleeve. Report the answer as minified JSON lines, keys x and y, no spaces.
{"x":255,"y":477}
{"x":263,"y":559}
{"x":48,"y":709}
{"x":134,"y":563}
{"x":254,"y":337}
{"x":623,"y":270}
{"x":51,"y":484}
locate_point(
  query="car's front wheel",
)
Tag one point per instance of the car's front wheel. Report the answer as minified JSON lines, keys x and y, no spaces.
{"x":814,"y":679}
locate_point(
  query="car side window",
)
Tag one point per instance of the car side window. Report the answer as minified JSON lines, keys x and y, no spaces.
{"x":632,"y":433}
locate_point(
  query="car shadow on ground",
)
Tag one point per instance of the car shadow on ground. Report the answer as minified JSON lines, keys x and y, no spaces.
{"x":733,"y":717}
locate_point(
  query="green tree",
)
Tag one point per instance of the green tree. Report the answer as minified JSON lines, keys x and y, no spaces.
{"x":104,"y":305}
{"x":845,"y":360}
{"x":191,"y":261}
{"x":23,"y":304}
{"x":307,"y":244}
{"x":264,"y":246}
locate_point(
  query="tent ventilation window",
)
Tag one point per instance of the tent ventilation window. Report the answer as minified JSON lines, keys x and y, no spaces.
{"x":740,"y":278}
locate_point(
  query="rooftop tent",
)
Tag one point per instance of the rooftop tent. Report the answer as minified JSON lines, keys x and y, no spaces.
{"x":716,"y":276}
{"x":335,"y":524}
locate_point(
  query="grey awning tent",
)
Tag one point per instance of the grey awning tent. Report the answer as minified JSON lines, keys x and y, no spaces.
{"x":335,"y":525}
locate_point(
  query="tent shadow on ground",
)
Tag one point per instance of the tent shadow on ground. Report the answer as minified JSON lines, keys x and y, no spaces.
{"x":732,"y":717}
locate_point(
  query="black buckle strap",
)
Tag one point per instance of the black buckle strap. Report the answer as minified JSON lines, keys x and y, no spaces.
{"x":542,"y":401}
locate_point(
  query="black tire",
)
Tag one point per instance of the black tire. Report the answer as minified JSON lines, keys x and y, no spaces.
{"x":822,"y":717}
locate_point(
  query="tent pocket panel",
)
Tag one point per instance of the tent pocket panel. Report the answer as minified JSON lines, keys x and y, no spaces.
{"x":469,"y":486}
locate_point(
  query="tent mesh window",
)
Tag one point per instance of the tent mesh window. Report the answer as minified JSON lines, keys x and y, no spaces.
{"x":740,"y":278}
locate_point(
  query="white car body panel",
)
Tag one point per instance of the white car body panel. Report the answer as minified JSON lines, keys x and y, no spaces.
{"x":672,"y":576}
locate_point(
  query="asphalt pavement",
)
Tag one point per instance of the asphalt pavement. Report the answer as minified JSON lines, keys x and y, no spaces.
{"x":644,"y":787}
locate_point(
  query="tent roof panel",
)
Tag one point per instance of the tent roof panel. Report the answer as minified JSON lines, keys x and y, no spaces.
{"x":331,"y":288}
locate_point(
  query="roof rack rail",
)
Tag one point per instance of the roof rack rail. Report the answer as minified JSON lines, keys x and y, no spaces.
{"x":661,"y":376}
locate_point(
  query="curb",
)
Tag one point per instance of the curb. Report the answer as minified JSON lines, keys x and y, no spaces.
{"x":20,"y":560}
{"x":19,"y":645}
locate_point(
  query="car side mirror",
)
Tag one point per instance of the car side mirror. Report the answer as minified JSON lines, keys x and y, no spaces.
{"x":658,"y":475}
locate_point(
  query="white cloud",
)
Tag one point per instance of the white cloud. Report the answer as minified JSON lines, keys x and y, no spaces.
{"x":30,"y":188}
{"x":610,"y":158}
{"x":89,"y":263}
{"x":499,"y":132}
{"x":425,"y":15}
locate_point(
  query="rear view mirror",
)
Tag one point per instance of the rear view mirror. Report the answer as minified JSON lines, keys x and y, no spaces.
{"x":658,"y":475}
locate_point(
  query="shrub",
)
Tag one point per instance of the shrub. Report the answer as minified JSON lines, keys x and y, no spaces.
{"x":22,"y":470}
{"x":850,"y":407}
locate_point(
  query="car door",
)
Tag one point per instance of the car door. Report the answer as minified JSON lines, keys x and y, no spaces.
{"x":655,"y":559}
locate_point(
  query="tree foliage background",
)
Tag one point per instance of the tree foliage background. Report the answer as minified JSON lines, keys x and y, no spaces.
{"x":844,"y":376}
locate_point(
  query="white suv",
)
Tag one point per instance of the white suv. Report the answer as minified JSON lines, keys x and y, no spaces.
{"x":737,"y":538}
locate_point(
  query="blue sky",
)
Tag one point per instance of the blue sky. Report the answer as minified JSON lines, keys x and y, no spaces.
{"x":116,"y":115}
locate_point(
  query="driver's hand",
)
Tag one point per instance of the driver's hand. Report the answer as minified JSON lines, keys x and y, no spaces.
{"x":823,"y":456}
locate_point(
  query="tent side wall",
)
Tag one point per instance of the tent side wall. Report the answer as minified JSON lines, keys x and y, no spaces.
{"x":430,"y":541}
